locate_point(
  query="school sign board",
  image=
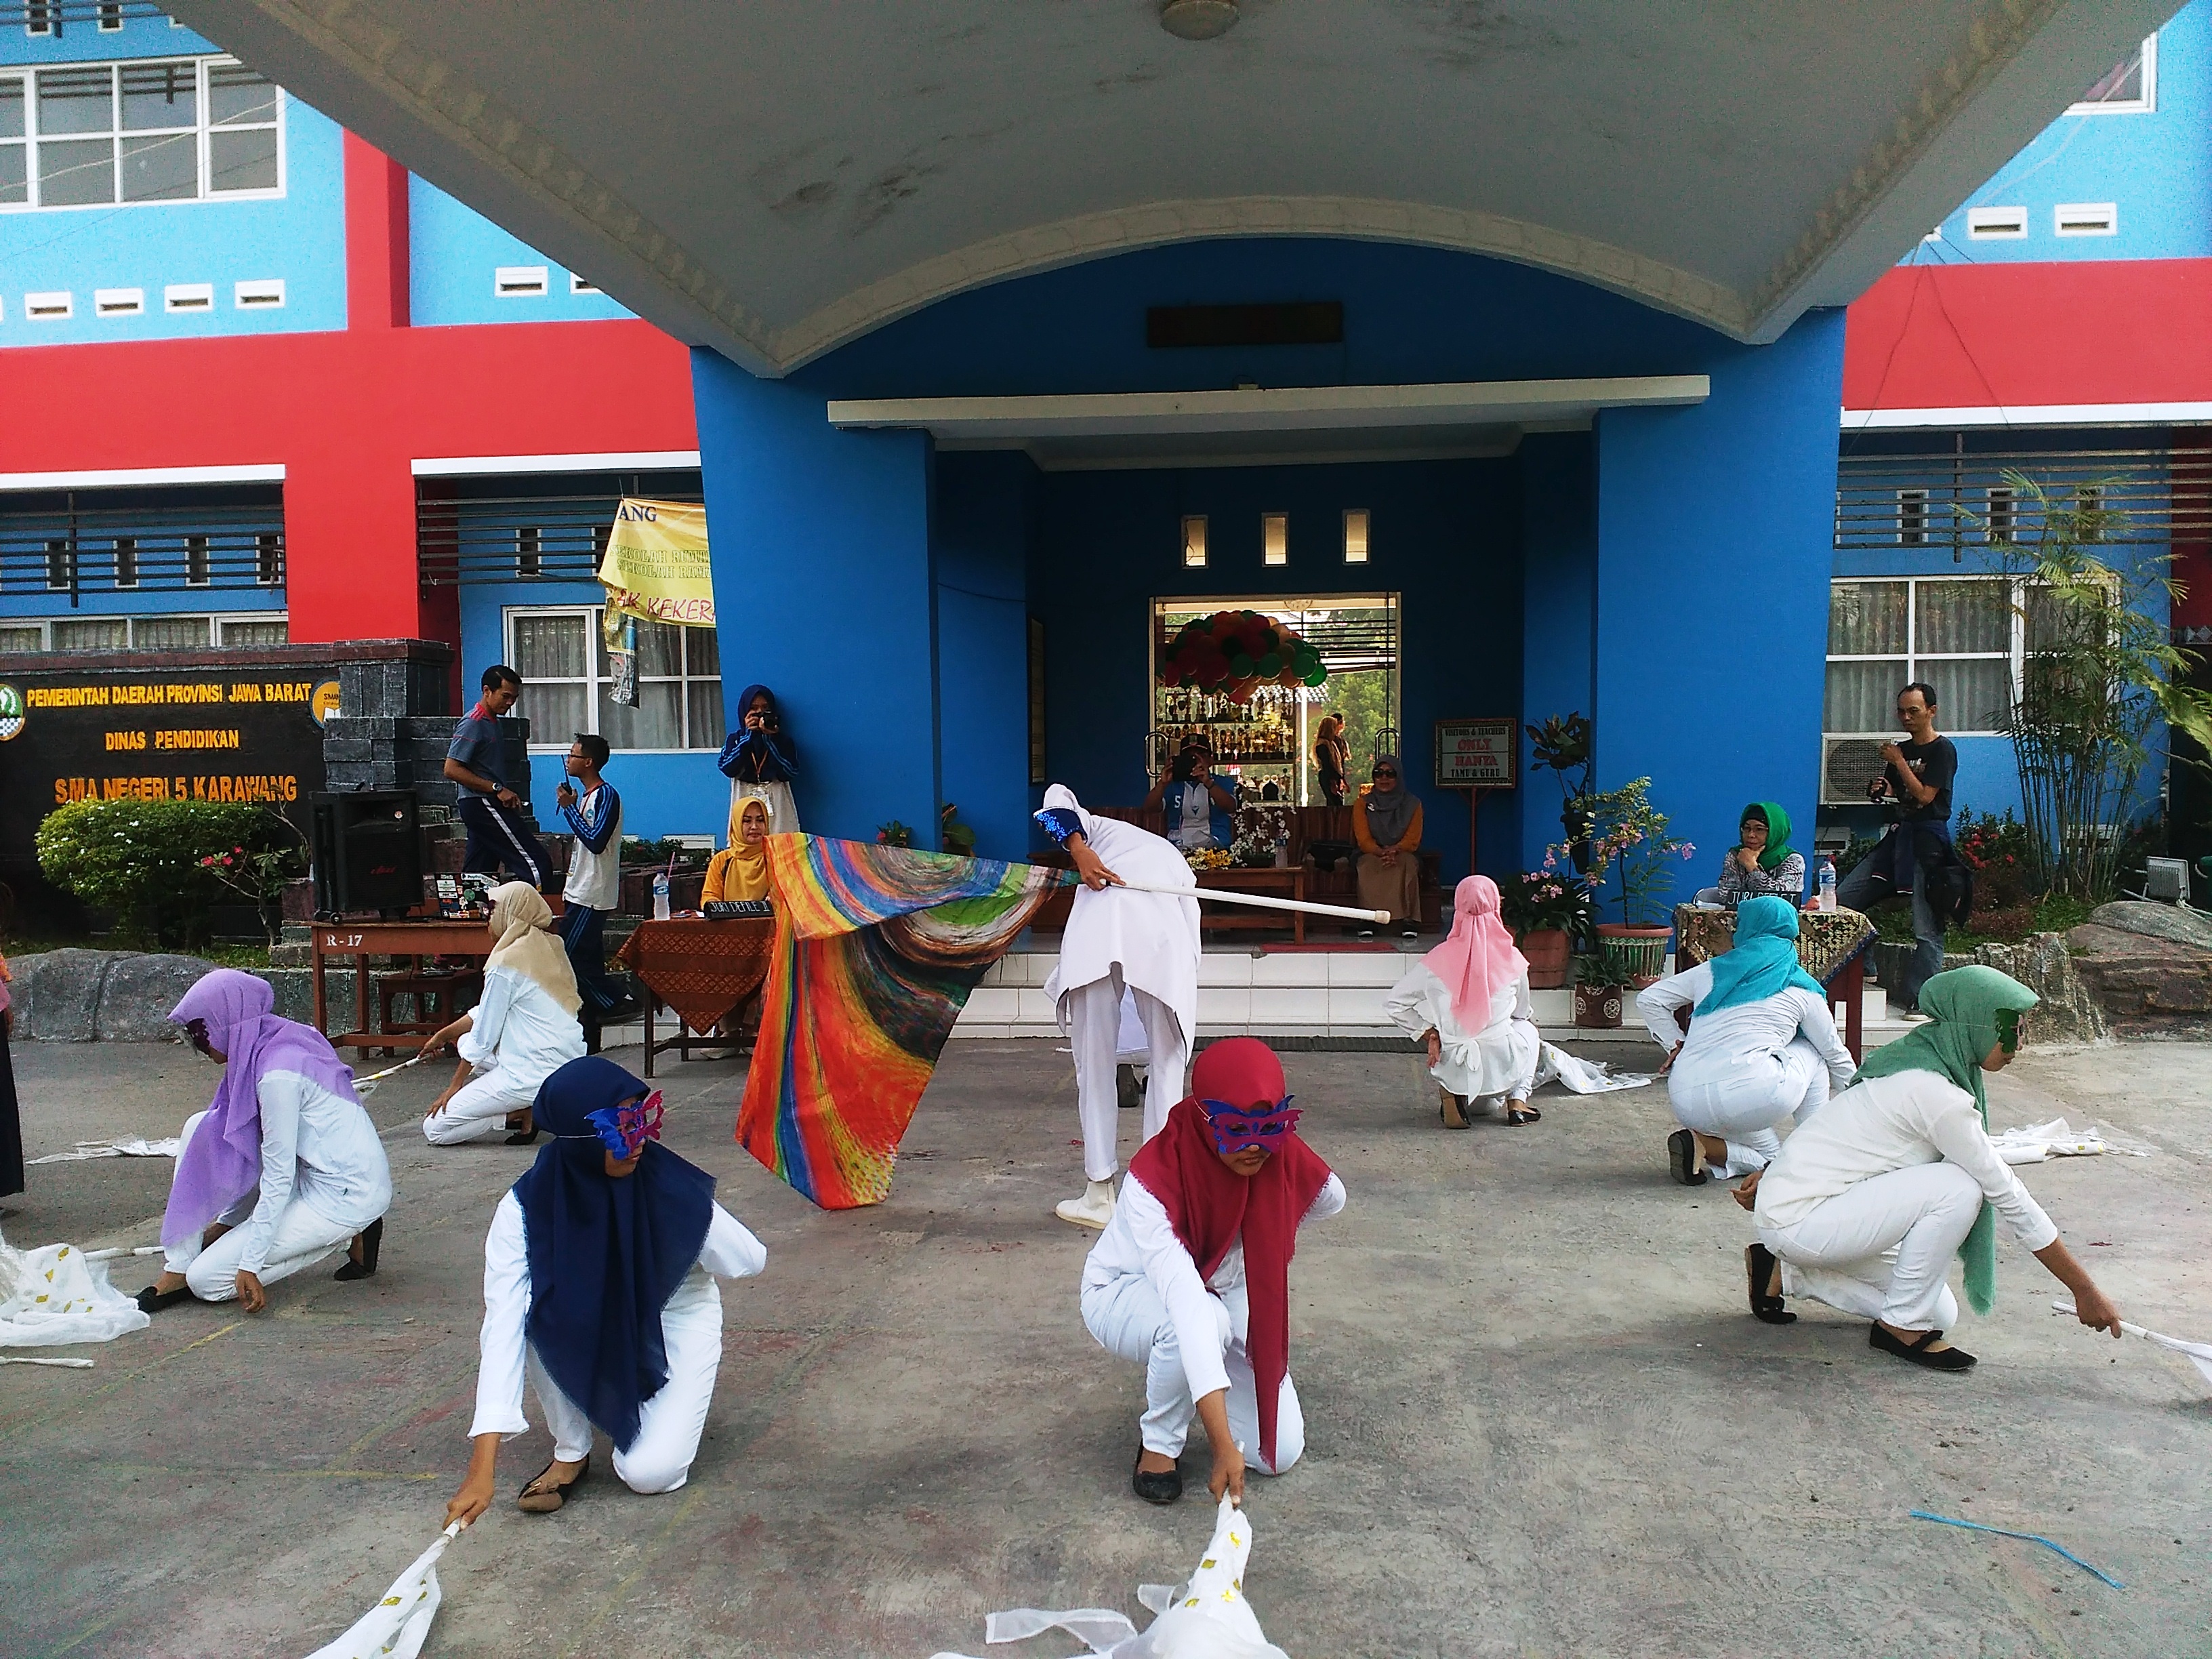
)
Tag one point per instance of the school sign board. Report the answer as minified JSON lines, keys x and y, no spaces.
{"x":244,"y":732}
{"x":1477,"y":754}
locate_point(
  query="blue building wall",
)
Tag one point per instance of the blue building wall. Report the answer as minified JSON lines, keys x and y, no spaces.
{"x":298,"y":237}
{"x":456,"y":253}
{"x":831,"y":531}
{"x":988,"y":511}
{"x":2154,"y":164}
{"x":1558,"y":589}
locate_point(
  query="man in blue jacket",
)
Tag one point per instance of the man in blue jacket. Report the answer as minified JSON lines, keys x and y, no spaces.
{"x":593,"y":811}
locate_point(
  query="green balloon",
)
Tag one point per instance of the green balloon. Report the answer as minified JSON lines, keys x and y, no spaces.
{"x":1269,"y":665}
{"x":1239,"y":666}
{"x":1317,"y":677}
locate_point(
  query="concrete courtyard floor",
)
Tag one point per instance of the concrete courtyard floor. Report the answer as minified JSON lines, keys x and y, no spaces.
{"x":1542,"y":1421}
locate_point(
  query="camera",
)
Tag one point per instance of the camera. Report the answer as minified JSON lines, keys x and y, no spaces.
{"x":1180,"y":768}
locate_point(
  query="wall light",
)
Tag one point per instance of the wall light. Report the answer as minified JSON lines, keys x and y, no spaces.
{"x":1355,"y":535}
{"x":1193,"y":542}
{"x":1274,"y":538}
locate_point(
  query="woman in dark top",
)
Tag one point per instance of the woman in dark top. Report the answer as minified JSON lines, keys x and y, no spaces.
{"x":759,"y":759}
{"x":1332,"y":756}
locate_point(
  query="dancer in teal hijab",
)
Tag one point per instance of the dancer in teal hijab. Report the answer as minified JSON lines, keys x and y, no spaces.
{"x":1763,"y":959}
{"x":1865,"y":1205}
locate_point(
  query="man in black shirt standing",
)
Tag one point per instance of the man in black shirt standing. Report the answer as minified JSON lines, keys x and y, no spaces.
{"x":1916,"y":777}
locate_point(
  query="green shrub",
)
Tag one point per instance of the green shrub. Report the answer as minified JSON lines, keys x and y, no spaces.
{"x":149,"y":863}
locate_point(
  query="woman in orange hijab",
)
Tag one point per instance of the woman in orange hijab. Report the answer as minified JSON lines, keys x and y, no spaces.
{"x":739,"y":870}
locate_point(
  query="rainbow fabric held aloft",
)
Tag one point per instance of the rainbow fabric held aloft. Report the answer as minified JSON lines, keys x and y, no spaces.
{"x":877,"y":949}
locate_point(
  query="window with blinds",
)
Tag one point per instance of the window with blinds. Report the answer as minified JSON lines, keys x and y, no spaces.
{"x":561,"y":653}
{"x":1961,"y":636}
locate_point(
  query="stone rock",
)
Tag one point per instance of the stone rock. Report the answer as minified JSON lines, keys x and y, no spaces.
{"x":136,"y":997}
{"x":2147,"y":987}
{"x":295,"y":994}
{"x":57,"y":996}
{"x":2068,"y":1012}
{"x":2154,"y":921}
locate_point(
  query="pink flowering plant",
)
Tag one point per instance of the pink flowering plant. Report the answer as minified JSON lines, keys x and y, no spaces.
{"x":1630,"y":850}
{"x":1552,"y":897}
{"x":258,"y":875}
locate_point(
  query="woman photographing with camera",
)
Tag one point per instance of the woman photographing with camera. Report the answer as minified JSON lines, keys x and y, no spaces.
{"x":759,"y":760}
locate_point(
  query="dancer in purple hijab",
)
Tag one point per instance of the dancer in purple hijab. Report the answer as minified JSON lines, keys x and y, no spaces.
{"x":284,"y":1166}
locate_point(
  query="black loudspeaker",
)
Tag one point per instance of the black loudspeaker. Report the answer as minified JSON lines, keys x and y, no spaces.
{"x":367,"y":852}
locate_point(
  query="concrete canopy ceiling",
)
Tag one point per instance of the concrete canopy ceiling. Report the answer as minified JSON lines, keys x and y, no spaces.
{"x":772,"y":178}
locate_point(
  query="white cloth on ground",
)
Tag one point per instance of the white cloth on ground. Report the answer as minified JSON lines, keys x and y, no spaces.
{"x":2038,"y":1142}
{"x":319,"y":1151}
{"x":1143,"y":1300}
{"x":1095,"y":1013}
{"x":123,"y":1146}
{"x":53,"y":1295}
{"x":519,"y":1036}
{"x":1745,"y":1070}
{"x":1582,"y":1076}
{"x":1152,"y":937}
{"x":396,"y":1627}
{"x":1499,"y":1060}
{"x":1894,"y":1122}
{"x":669,"y":1428}
{"x":1206,"y":1617}
{"x":1883,"y":1248}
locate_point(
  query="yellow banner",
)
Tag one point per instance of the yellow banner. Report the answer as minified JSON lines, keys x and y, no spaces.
{"x":656,"y":564}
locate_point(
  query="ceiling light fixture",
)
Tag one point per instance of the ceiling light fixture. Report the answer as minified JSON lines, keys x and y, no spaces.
{"x":1198,"y":19}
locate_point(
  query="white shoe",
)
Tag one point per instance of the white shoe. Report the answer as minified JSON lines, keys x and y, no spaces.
{"x":1093,"y":1210}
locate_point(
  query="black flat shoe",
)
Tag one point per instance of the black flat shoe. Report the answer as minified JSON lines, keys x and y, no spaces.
{"x":536,"y":1499}
{"x":1164,"y":1487}
{"x":1758,"y":1266}
{"x":1524,"y":1113}
{"x":153,"y":1301}
{"x":525,"y":1137}
{"x":1682,"y":1158}
{"x":1451,"y":1110}
{"x":371,"y":1240}
{"x":1936,"y":1359}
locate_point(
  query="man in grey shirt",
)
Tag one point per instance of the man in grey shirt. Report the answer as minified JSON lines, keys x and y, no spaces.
{"x":491,"y":809}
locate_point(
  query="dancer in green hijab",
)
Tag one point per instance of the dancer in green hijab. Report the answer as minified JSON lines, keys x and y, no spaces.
{"x":1868,"y":1202}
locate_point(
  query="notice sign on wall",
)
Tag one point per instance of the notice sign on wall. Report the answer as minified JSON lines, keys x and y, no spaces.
{"x":250,"y":733}
{"x":1477,"y":754}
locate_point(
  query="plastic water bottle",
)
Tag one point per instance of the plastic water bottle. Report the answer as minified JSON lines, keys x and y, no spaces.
{"x":1827,"y":884}
{"x":660,"y":895}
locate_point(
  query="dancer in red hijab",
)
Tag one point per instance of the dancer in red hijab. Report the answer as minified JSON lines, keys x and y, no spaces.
{"x":1191,"y":1277}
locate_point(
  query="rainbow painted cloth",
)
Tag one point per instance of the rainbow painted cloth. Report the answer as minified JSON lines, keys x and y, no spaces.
{"x":876,"y":950}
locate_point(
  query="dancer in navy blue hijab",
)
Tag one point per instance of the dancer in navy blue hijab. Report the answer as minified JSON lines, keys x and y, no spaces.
{"x":599,"y":1277}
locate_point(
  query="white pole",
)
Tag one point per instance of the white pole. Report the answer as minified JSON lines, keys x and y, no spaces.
{"x":1260,"y":902}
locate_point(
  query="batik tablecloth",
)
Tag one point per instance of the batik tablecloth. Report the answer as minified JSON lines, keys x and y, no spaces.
{"x":1828,"y":940}
{"x":701,"y":968}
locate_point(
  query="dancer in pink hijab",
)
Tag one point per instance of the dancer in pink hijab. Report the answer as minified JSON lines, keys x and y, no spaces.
{"x":1467,"y":1000}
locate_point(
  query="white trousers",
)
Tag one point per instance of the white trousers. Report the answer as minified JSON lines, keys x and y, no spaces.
{"x":478,"y":1107}
{"x":1744,"y":1105}
{"x":659,"y":1458}
{"x":1094,"y":1026}
{"x":1130,"y":1322}
{"x":302,"y":1237}
{"x":1881,"y":1250}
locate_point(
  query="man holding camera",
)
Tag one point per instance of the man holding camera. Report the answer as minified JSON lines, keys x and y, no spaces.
{"x":1916,"y":856}
{"x":1195,"y":809}
{"x":491,"y":809}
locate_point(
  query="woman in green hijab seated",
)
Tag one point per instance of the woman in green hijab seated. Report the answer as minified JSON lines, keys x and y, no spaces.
{"x":1762,"y":863}
{"x":1867,"y":1203}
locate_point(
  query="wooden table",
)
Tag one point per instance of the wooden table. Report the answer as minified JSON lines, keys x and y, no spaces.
{"x":703,"y":970}
{"x":1832,"y":944}
{"x":416,"y":939}
{"x":1289,"y":884}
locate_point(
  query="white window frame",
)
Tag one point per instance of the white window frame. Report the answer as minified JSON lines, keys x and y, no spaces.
{"x":1997,"y":224}
{"x":1909,"y":665}
{"x":2146,"y":105}
{"x":216,"y":622}
{"x":520,"y":282}
{"x":28,"y":73}
{"x":2087,"y":219}
{"x":590,"y":616}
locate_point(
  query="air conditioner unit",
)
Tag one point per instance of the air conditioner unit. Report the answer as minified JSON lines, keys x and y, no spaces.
{"x":1848,"y":765}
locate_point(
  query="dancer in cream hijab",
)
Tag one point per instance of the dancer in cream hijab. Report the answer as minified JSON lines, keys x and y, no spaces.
{"x":523,"y":1030}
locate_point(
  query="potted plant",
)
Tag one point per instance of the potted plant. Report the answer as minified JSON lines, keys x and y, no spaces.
{"x":1629,"y":847}
{"x":1565,"y":743}
{"x":1546,"y":909}
{"x":1601,"y":988}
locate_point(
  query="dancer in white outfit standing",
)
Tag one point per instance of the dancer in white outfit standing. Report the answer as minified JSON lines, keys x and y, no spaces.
{"x":1191,"y":1277}
{"x":523,"y":1030}
{"x":1762,"y":1049}
{"x":599,"y":1277}
{"x":1467,"y":1000}
{"x":1866,"y":1204}
{"x":1117,"y":939}
{"x":282,"y":1167}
